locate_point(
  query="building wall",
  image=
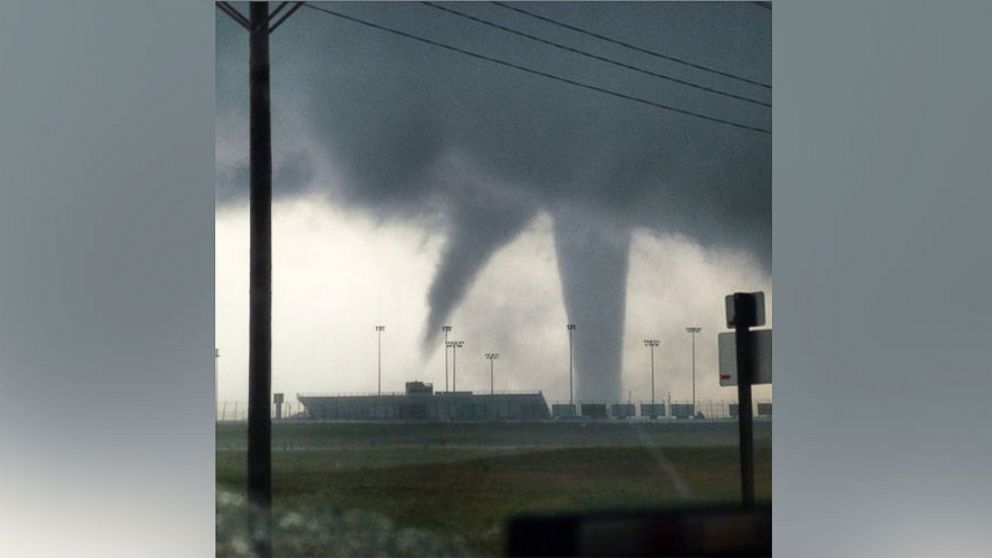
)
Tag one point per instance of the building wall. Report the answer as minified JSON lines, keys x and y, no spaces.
{"x":444,"y":407}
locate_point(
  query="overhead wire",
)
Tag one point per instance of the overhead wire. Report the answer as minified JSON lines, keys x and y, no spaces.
{"x":629,"y":45}
{"x":594,"y":56}
{"x":534,"y":71}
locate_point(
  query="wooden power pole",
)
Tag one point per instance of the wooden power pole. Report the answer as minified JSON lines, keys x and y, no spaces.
{"x":259,"y":25}
{"x":260,"y":286}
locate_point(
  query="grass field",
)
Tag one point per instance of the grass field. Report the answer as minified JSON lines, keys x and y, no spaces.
{"x":447,"y":489}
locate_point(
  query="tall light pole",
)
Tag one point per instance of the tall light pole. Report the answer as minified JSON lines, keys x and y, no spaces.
{"x":379,"y":329}
{"x":652,"y":343}
{"x":446,"y":329}
{"x":454,"y":362}
{"x":216,"y":367}
{"x":571,"y":328}
{"x":491,"y":357}
{"x":693,"y":331}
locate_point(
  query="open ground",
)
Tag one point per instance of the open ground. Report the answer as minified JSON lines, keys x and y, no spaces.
{"x":460,"y":482}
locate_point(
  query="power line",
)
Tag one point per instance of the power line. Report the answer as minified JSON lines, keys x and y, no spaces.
{"x":594,"y":56}
{"x":536,"y":72}
{"x":630,"y":46}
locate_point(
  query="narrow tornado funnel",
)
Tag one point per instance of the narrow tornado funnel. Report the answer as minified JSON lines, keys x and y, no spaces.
{"x":592,"y":264}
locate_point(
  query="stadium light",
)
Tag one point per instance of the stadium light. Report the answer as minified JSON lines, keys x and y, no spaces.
{"x":491,"y":357}
{"x":446,"y":329}
{"x":454,"y":362}
{"x":693,"y":331}
{"x":216,"y":365}
{"x":652,"y":343}
{"x":379,"y":329}
{"x":571,"y":328}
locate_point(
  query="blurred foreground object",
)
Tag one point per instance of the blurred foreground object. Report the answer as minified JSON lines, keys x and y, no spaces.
{"x":700,"y":532}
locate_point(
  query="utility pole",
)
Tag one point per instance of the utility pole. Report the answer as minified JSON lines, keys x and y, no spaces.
{"x":454,"y":362}
{"x":693,"y":331}
{"x":260,"y":284}
{"x":379,"y":329}
{"x":651,"y":344}
{"x":492,"y":357}
{"x":446,"y":329}
{"x":571,"y":399}
{"x":259,"y":25}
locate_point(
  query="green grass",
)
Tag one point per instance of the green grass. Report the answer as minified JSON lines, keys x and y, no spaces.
{"x":463,"y":481}
{"x":302,"y":435}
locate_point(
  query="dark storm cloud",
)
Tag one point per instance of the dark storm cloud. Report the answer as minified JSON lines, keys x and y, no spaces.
{"x":416,"y":130}
{"x":293,"y":175}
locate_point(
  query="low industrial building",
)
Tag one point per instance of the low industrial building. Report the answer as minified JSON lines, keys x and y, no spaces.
{"x":595,"y":411}
{"x":655,"y":410}
{"x":623,"y":410}
{"x":563,"y":411}
{"x":420,"y":403}
{"x":683,"y":410}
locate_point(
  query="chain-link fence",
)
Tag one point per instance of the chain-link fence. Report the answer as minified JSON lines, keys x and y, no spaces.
{"x":660,"y":409}
{"x":228,"y":411}
{"x":234,"y":411}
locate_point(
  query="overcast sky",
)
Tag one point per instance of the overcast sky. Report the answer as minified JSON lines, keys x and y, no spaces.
{"x":416,"y":187}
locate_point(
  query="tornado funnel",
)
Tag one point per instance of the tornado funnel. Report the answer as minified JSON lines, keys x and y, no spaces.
{"x":592,"y":264}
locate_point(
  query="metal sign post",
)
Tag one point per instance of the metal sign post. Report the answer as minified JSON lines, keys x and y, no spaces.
{"x":745,"y":314}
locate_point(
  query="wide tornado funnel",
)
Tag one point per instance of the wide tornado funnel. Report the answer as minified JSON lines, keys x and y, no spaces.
{"x":592,"y":263}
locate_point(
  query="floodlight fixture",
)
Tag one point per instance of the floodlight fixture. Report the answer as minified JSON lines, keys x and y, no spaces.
{"x":492,"y":357}
{"x":454,"y":345}
{"x":446,"y":329}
